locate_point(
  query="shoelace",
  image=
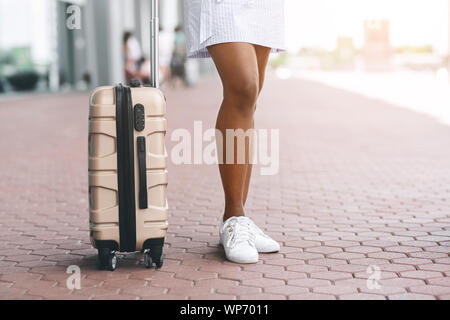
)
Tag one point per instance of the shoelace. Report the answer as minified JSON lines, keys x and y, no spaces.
{"x":240,"y":230}
{"x":258,"y":229}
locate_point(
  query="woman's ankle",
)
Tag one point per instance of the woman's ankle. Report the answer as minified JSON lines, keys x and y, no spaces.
{"x":233,"y":211}
{"x":227,"y":216}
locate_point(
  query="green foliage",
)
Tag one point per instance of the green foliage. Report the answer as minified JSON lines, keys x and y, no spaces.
{"x":280,"y":60}
{"x":411,"y":49}
{"x":22,"y":58}
{"x":15,"y":60}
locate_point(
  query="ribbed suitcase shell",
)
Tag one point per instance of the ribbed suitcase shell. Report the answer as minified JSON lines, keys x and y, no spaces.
{"x":151,"y":223}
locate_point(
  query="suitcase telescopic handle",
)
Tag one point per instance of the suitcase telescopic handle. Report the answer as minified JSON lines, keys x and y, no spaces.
{"x":154,"y":44}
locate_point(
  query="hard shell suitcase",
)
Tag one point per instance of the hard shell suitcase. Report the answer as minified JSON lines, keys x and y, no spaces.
{"x":128,"y":167}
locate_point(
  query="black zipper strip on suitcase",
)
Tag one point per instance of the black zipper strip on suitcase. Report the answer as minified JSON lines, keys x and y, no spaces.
{"x":125,"y":169}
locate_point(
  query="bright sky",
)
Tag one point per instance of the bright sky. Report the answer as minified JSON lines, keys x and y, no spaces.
{"x":413,"y":22}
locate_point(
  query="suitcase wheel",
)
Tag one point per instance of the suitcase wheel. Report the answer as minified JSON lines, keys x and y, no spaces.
{"x":108,"y":259}
{"x":154,"y":255}
{"x":148,"y":261}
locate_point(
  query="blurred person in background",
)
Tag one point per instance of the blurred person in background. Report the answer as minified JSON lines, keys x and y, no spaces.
{"x":239,"y":36}
{"x":178,"y":61}
{"x":136,"y":66}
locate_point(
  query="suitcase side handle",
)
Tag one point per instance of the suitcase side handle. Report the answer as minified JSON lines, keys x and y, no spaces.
{"x":142,"y":159}
{"x":154,"y":44}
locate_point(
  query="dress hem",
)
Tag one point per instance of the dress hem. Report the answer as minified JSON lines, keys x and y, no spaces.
{"x":204,"y":54}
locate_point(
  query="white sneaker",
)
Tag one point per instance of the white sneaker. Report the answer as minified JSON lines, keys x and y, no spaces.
{"x":263,"y":243}
{"x":238,"y":240}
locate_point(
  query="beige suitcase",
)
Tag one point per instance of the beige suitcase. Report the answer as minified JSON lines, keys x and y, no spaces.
{"x":128,"y":168}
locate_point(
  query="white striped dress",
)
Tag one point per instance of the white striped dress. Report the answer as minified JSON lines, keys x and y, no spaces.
{"x":209,"y":22}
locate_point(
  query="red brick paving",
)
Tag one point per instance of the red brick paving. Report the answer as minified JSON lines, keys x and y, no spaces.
{"x":361,"y":183}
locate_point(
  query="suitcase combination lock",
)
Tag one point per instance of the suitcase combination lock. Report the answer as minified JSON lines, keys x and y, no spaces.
{"x":139,"y":117}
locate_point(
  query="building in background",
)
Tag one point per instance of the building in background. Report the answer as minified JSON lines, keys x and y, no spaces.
{"x":345,"y":53}
{"x":377,"y":49}
{"x":78,"y":44}
{"x":94,"y":54}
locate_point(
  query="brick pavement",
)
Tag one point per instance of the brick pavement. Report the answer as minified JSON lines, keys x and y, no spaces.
{"x":361,"y":183}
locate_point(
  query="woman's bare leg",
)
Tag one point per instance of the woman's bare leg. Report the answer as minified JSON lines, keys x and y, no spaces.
{"x":262,"y":56}
{"x":237,"y":65}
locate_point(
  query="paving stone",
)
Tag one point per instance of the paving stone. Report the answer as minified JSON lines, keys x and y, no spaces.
{"x":361,"y":296}
{"x":411,"y":296}
{"x":431,"y":290}
{"x":331,"y":275}
{"x":286,"y":290}
{"x":312,"y":296}
{"x":335,"y":290}
{"x":309,"y":283}
{"x":421,"y":274}
{"x":263,"y":282}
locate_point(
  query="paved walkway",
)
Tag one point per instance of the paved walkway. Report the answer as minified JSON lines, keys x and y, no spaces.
{"x":361,"y":184}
